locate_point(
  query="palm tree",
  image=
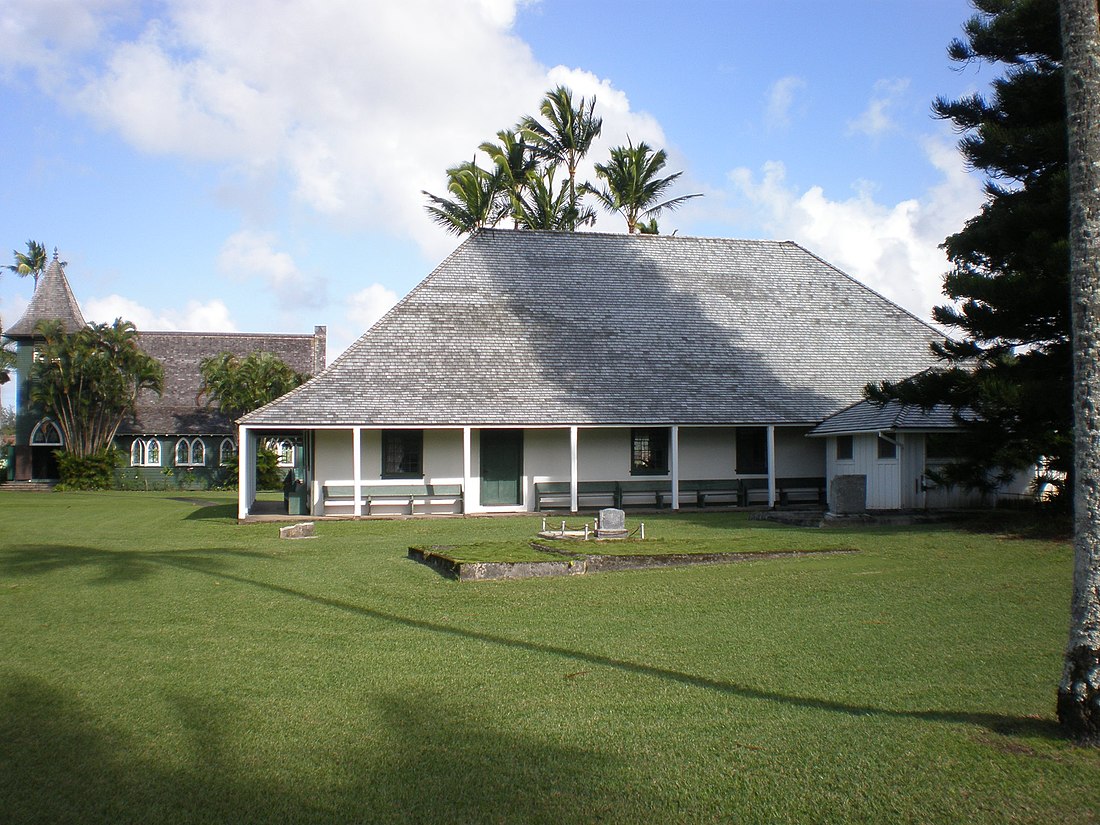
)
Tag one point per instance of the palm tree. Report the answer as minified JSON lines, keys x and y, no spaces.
{"x":633,"y":188}
{"x":88,"y":381}
{"x":514,"y":161}
{"x":477,"y":199}
{"x":31,"y":263}
{"x":1078,"y":692}
{"x":566,"y":136}
{"x":536,"y":205}
{"x":240,"y":385}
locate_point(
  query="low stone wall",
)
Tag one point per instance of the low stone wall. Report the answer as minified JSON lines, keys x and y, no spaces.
{"x":488,"y":570}
{"x":590,"y":563}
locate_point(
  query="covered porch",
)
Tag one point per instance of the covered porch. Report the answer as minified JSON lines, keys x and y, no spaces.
{"x":360,"y":471}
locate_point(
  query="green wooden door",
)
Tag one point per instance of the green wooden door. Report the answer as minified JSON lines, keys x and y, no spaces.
{"x":501,"y":466}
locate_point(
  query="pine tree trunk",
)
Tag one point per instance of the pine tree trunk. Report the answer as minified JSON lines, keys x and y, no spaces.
{"x":1079,"y":690}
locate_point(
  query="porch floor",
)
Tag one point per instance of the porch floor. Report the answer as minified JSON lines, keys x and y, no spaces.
{"x":272,"y":511}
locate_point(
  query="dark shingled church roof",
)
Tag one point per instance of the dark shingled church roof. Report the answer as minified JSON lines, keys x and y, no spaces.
{"x":52,"y":301}
{"x":547,"y":328}
{"x":177,"y":411}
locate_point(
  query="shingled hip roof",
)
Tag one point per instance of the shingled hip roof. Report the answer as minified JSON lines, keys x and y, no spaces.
{"x":53,"y":300}
{"x":545,"y":328}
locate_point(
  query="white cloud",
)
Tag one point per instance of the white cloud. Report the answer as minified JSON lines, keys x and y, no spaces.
{"x":212,"y":316}
{"x":781,"y":94}
{"x":368,"y":305}
{"x":43,"y":35}
{"x":876,"y":119}
{"x":356,"y":106}
{"x":360,"y":106}
{"x":250,"y":254}
{"x":364,"y":308}
{"x":502,"y":13}
{"x":12,"y":308}
{"x":891,"y":248}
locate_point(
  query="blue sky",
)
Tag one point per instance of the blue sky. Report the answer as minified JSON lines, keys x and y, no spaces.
{"x":258,"y":165}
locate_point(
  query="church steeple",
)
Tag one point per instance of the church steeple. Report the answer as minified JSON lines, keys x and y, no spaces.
{"x":53,"y":300}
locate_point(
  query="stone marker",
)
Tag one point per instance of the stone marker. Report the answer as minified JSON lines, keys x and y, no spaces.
{"x":297,"y":531}
{"x":612,"y":519}
{"x":849,"y":495}
{"x":612,"y":524}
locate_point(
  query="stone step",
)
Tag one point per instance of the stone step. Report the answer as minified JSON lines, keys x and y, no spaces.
{"x":27,"y":486}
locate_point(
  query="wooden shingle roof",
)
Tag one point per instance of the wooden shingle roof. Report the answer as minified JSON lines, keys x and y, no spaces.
{"x":53,"y":300}
{"x":179,"y":411}
{"x":530,"y":328}
{"x":869,"y":417}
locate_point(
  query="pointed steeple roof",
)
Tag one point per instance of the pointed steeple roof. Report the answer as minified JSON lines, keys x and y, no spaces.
{"x":53,"y":300}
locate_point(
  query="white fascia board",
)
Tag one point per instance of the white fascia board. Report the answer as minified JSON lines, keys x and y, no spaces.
{"x":619,"y":426}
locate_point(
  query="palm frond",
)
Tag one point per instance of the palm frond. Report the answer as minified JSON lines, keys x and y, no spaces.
{"x":633,"y":186}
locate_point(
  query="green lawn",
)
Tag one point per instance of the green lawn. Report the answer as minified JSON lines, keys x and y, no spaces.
{"x":160,"y":663}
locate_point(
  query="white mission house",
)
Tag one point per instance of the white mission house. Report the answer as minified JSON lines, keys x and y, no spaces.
{"x":534,"y":370}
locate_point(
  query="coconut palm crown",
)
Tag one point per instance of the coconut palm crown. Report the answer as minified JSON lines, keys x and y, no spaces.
{"x":633,"y":187}
{"x":566,"y":135}
{"x":33,"y":262}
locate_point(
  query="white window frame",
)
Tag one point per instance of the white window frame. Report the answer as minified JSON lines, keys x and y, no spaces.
{"x":42,"y":427}
{"x":227,"y":450}
{"x":883,"y":439}
{"x":193,"y":453}
{"x":284,"y":450}
{"x":140,"y":450}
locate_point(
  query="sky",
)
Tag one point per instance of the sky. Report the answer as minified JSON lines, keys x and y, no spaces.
{"x":259,"y":166}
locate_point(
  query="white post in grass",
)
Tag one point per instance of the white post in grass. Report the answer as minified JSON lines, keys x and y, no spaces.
{"x":356,"y":469}
{"x":246,"y":471}
{"x":467,"y":467}
{"x":674,"y":465}
{"x":573,"y":469}
{"x":771,"y":465}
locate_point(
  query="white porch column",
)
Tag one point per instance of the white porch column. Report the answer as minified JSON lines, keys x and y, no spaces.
{"x":467,"y":468}
{"x":357,"y":469}
{"x":771,"y":465}
{"x":246,"y":471}
{"x":573,"y":468}
{"x":674,"y":465}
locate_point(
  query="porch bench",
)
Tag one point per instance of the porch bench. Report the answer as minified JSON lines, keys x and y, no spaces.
{"x":403,"y":494}
{"x":446,"y":494}
{"x":588,"y":492}
{"x":754,"y":488}
{"x":802,"y":489}
{"x":338,"y":495}
{"x":554,"y":490}
{"x":728,"y":489}
{"x":410,"y":495}
{"x":655,"y":490}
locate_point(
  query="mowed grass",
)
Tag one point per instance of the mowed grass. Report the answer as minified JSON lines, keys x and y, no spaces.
{"x":160,"y":663}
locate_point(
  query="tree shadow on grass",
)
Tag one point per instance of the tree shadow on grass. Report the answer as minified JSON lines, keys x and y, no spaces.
{"x":115,"y":567}
{"x":34,"y":560}
{"x":213,"y":511}
{"x":418,"y":762}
